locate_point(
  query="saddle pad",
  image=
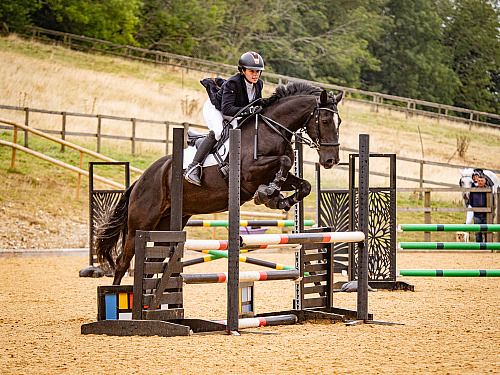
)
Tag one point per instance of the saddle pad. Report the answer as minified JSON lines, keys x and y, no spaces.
{"x":190,"y":151}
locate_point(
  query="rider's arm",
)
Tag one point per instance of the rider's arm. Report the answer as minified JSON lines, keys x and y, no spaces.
{"x":229,"y":93}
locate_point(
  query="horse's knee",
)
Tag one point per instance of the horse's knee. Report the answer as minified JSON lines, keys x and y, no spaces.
{"x":285,"y":162}
{"x":305,"y":188}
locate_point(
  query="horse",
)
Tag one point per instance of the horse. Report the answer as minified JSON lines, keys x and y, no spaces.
{"x":145,"y":205}
{"x":466,"y":181}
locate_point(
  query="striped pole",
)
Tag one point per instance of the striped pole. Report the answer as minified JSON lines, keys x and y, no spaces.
{"x":264,"y":321}
{"x":258,"y":262}
{"x":451,"y":273}
{"x":450,"y":245}
{"x":246,"y":223}
{"x":449,"y":227}
{"x":199,"y":245}
{"x":248,"y":276}
{"x":300,"y":238}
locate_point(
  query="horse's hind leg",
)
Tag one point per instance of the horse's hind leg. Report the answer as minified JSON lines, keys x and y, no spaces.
{"x":123,"y":261}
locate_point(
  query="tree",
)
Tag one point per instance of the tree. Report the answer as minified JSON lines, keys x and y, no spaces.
{"x":414,"y":63}
{"x":112,"y":20}
{"x":15,"y":14}
{"x":473,"y":34}
{"x":322,"y":40}
{"x":184,"y":27}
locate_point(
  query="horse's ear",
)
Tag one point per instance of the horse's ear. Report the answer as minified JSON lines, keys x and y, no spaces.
{"x":338,"y":98}
{"x":323,"y":98}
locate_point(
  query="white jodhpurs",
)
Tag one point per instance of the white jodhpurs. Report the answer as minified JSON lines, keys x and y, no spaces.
{"x":214,"y":120}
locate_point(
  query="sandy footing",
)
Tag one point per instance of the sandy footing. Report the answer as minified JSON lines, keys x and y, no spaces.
{"x":451,"y":326}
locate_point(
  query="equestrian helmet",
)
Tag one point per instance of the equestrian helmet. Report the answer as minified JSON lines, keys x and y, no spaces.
{"x":251,"y":60}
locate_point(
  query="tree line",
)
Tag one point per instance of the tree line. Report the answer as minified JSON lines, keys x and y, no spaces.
{"x":444,"y":51}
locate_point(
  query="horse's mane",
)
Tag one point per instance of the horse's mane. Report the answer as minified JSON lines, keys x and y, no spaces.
{"x":291,"y":89}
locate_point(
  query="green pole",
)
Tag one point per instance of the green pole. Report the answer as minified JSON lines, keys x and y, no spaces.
{"x":451,"y":273}
{"x":449,"y":227}
{"x":451,"y":245}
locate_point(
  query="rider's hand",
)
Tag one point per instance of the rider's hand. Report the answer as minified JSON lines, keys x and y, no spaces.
{"x":256,"y":109}
{"x":252,"y":111}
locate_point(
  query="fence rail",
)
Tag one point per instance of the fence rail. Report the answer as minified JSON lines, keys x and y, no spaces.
{"x":99,"y":136}
{"x":408,"y":105}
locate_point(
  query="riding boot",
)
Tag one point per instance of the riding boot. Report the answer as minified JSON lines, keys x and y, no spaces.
{"x":193,"y":171}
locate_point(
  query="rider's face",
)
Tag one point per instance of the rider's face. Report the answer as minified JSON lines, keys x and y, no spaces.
{"x":251,"y":75}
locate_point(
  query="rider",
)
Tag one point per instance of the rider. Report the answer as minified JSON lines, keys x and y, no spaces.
{"x":235,"y":94}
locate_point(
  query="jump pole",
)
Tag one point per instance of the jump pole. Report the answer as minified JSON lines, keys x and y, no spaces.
{"x":450,"y":245}
{"x":264,"y":263}
{"x":449,"y":227}
{"x":451,"y":273}
{"x":264,"y":321}
{"x":248,"y":276}
{"x":261,"y":241}
{"x":246,"y":223}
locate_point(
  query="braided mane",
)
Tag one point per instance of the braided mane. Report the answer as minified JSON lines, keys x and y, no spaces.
{"x":291,"y":89}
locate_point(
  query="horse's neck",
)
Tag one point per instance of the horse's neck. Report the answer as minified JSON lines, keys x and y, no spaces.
{"x":296,"y":109}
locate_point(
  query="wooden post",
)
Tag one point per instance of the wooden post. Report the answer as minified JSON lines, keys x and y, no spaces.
{"x":363,"y":219}
{"x":27,"y":123}
{"x":427,"y":215}
{"x":233,"y":231}
{"x":177,"y":181}
{"x":421,"y":179}
{"x":63,"y":131}
{"x":167,"y":136}
{"x":79,"y":177}
{"x":99,"y":124}
{"x":299,"y":172}
{"x":133,"y":136}
{"x":13,"y":160}
{"x":489,"y":215}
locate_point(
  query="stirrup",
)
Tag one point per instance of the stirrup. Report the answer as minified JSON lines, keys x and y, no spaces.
{"x":189,"y":171}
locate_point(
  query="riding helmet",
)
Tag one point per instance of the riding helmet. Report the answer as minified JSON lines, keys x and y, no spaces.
{"x":251,"y":60}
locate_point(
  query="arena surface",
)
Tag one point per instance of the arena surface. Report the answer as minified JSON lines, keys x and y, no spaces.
{"x":451,"y":326}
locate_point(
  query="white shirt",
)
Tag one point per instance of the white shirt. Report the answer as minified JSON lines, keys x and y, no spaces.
{"x":250,"y":91}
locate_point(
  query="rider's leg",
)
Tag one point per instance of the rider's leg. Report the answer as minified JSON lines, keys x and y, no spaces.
{"x":193,"y":171}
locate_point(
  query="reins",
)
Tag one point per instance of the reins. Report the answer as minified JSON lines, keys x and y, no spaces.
{"x":274,"y":125}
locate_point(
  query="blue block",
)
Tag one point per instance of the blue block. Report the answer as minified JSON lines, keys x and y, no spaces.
{"x":111,"y":306}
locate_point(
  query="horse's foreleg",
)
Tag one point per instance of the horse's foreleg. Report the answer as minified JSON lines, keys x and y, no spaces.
{"x":302,"y":189}
{"x":265,"y":193}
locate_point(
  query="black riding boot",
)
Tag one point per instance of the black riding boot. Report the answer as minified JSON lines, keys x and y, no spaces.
{"x":193,"y":171}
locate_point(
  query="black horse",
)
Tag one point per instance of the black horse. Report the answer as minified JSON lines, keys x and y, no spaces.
{"x":146,"y":204}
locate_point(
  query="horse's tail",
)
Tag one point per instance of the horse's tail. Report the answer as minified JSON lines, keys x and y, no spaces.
{"x":112,"y":230}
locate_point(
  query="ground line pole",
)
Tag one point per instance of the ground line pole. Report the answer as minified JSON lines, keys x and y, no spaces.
{"x":233,"y":230}
{"x":363,"y":218}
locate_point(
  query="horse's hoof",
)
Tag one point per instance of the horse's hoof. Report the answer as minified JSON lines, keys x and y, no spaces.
{"x":261,"y":196}
{"x":91,"y":271}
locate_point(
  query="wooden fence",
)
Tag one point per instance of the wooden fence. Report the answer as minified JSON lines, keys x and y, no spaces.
{"x":376,"y":100}
{"x":61,"y":118}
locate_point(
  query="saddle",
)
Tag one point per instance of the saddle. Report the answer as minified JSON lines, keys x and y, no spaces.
{"x":195,"y":138}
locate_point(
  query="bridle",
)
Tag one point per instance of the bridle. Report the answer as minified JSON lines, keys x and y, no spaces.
{"x":316,"y":144}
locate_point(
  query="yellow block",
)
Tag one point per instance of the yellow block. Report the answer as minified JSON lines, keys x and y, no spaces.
{"x":123,"y":301}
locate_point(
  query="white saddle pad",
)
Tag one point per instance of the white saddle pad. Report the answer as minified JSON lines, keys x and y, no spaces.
{"x":190,"y":151}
